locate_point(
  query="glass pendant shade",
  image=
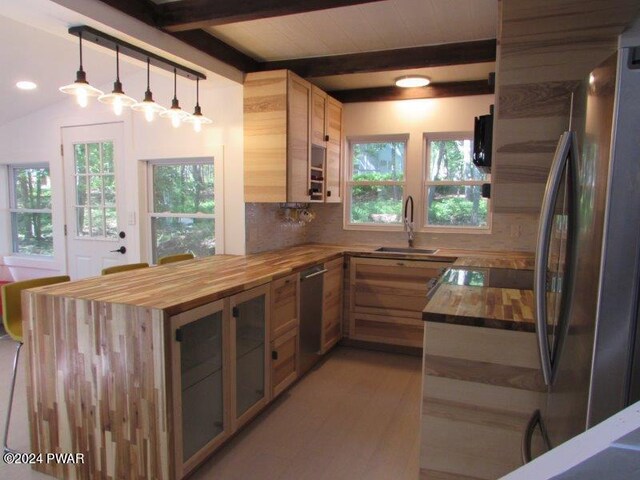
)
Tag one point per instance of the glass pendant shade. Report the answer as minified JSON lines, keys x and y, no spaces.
{"x":196,"y":118}
{"x":117,"y":98}
{"x":148,"y":106}
{"x":81,"y":88}
{"x":175,"y":113}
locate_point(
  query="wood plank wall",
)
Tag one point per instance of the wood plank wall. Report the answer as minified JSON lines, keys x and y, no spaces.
{"x":544,"y":49}
{"x":102,"y":393}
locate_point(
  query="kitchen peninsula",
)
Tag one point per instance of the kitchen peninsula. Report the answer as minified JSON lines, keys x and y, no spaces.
{"x":148,"y":372}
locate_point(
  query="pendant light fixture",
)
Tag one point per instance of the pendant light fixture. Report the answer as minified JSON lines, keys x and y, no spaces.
{"x":81,"y":88}
{"x":117,"y":98}
{"x":175,"y":113}
{"x":196,"y":118}
{"x":148,"y":105}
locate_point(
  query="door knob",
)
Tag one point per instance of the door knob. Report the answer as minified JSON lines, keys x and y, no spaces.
{"x":121,"y":250}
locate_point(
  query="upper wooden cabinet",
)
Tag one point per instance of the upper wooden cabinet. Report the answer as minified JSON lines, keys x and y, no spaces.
{"x":292,"y":140}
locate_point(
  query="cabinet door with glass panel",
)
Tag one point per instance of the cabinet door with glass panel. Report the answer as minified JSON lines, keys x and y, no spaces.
{"x":250,"y":314}
{"x":201,"y":383}
{"x":453,"y":198}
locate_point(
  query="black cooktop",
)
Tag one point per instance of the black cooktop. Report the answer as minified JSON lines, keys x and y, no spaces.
{"x":489,"y":277}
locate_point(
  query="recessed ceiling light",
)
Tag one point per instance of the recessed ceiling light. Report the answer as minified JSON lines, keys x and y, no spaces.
{"x":412,"y":81}
{"x":26,"y":85}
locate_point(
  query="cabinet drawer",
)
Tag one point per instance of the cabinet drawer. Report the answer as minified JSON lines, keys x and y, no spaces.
{"x":284,"y":304}
{"x":385,"y":329}
{"x":284,"y":361}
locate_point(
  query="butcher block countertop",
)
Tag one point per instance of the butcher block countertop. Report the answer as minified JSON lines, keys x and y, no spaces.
{"x":178,"y":287}
{"x":484,"y":292}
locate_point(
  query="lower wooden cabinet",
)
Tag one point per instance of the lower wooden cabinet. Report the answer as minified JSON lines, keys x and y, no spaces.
{"x":250,"y":355}
{"x":386,"y":299}
{"x":284,"y":361}
{"x":200,"y":372}
{"x":332,"y":304}
{"x":285,"y":308}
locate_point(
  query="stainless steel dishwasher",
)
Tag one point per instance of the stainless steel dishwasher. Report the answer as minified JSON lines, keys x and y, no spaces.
{"x":311,"y":284}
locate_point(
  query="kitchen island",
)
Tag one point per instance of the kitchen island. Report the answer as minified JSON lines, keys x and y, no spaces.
{"x":148,"y":372}
{"x":482,"y":379}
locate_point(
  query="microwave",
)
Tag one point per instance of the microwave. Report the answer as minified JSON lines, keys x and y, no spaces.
{"x":483,"y":141}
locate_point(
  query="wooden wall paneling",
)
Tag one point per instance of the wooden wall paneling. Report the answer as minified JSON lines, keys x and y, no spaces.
{"x":298,"y":138}
{"x":480,"y":387}
{"x":265,"y":137}
{"x":335,"y":153}
{"x":124,"y":387}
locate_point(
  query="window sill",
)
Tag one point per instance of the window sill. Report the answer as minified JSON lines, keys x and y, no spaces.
{"x":373,"y":228}
{"x":466,"y":230}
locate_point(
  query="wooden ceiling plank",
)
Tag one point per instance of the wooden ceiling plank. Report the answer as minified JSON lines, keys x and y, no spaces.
{"x":398,"y":59}
{"x":441,"y":90}
{"x":143,"y":10}
{"x":194,"y":14}
{"x":218,"y":49}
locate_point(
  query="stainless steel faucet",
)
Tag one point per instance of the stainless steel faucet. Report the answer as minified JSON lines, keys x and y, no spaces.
{"x":408,"y":224}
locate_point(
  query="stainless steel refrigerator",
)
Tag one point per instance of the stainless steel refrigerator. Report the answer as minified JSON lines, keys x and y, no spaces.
{"x":587,"y":258}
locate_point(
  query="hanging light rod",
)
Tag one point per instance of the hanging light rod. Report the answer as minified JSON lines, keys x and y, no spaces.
{"x":92,"y":35}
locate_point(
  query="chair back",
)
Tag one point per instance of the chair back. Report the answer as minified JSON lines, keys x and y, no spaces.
{"x":12,"y":302}
{"x":175,"y":258}
{"x":124,"y":268}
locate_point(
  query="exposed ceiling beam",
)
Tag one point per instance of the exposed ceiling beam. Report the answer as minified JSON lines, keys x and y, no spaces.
{"x":143,"y":10}
{"x":193,"y":14}
{"x":218,"y":49}
{"x":402,"y":58}
{"x":436,"y":90}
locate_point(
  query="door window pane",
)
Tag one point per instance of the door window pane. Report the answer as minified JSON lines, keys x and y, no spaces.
{"x":96,"y":189}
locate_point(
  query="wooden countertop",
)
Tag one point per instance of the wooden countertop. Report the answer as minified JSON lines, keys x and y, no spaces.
{"x":483,"y":306}
{"x":181,"y":286}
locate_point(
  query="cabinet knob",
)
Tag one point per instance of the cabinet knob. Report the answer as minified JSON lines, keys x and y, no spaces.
{"x":274,"y":355}
{"x":326,"y":138}
{"x":328,"y":193}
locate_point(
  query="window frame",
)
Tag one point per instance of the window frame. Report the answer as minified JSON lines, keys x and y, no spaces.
{"x":217,"y":215}
{"x":349,"y":183}
{"x":426,"y":183}
{"x":11,"y":174}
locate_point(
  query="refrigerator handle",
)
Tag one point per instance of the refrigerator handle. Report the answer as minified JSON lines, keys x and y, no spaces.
{"x":535,"y":420}
{"x":563,"y":150}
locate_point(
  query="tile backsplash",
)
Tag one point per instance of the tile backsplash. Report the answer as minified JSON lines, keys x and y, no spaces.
{"x":267,"y":229}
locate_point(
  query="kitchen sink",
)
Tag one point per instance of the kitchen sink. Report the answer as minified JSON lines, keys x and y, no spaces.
{"x":414,"y":251}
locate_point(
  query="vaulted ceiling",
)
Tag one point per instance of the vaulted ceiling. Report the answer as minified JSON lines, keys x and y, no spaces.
{"x":353,"y":48}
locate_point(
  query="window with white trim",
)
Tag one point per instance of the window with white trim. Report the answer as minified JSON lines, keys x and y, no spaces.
{"x":30,"y":208}
{"x":376,"y":181}
{"x":182,"y":208}
{"x":453,"y":184}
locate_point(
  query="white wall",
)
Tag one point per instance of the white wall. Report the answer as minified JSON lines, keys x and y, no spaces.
{"x":407,"y":117}
{"x":37,"y":138}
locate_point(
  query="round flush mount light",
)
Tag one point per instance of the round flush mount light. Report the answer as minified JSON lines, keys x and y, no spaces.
{"x":26,"y":85}
{"x":412,"y":81}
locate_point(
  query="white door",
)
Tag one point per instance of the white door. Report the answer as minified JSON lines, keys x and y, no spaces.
{"x":93,"y":164}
